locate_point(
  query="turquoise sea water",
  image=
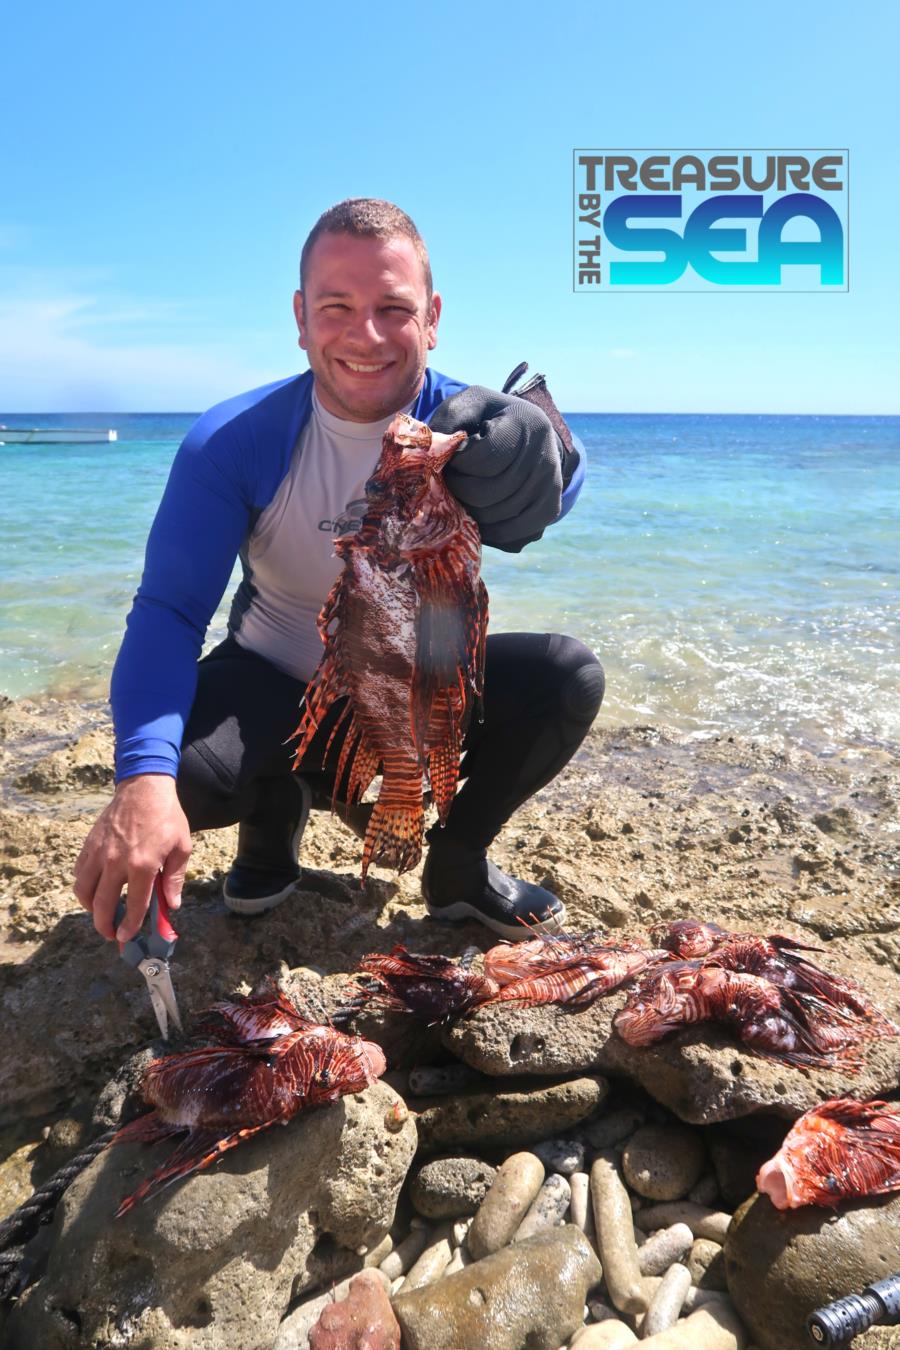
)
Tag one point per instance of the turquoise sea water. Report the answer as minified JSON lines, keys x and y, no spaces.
{"x":732,"y":572}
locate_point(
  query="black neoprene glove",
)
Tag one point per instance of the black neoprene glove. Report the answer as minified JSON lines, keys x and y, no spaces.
{"x":508,"y":475}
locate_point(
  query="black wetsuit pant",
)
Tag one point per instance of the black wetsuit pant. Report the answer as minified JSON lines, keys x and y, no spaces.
{"x":542,"y":691}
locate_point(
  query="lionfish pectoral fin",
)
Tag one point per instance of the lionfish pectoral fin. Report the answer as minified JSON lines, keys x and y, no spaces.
{"x":146,"y":1129}
{"x":394,"y":831}
{"x":199,"y":1150}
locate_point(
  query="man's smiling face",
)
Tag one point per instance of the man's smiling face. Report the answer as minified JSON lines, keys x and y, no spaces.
{"x":366,"y":323}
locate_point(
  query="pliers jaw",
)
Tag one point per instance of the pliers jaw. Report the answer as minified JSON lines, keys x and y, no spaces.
{"x":150,"y":954}
{"x":162,"y":994}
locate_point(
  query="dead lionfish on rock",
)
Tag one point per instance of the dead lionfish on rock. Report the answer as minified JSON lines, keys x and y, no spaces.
{"x":404,"y":629}
{"x":840,"y":1149}
{"x":270,"y":1063}
{"x":777,"y":958}
{"x":431,"y":988}
{"x":572,"y":970}
{"x":789,"y":1026}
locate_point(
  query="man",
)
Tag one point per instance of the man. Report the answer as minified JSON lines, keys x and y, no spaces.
{"x":271,"y":476}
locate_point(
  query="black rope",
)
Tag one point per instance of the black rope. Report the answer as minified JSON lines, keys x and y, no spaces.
{"x":23,"y":1223}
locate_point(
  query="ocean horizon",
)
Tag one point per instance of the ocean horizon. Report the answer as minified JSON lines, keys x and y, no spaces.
{"x":733,"y":572}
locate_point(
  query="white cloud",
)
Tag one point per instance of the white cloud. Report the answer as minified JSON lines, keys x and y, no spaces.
{"x":65,"y":349}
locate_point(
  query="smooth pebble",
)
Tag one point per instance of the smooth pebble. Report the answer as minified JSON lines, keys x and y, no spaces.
{"x":716,"y":1327}
{"x":706,"y":1263}
{"x":405,"y":1254}
{"x":703,"y":1222}
{"x":580,"y":1210}
{"x":666,"y":1304}
{"x":615,"y":1236}
{"x":662,"y":1249}
{"x":503,"y":1208}
{"x":431,"y":1264}
{"x":605,"y":1336}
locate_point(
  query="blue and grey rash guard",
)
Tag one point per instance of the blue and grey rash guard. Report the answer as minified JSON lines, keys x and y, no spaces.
{"x":238,"y":485}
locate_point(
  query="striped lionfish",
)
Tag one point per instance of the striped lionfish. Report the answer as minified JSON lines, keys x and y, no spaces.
{"x":269,"y":1064}
{"x":404,"y":629}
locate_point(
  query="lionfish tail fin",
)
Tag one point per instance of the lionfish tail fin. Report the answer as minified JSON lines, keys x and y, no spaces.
{"x":394,"y":834}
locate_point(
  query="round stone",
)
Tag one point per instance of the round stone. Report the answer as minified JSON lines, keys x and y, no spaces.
{"x":783,"y":1264}
{"x":663,"y":1162}
{"x":449,"y":1188}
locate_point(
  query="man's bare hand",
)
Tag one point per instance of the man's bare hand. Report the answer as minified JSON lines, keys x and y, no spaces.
{"x":142,"y":833}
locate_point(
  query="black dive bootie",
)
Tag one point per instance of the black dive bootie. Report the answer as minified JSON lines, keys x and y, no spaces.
{"x":266,"y":870}
{"x":461,"y":883}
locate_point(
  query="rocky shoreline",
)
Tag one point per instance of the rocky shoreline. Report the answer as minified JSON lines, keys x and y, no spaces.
{"x":642,"y":827}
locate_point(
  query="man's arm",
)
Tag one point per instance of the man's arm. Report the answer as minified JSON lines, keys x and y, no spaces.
{"x":201,"y":522}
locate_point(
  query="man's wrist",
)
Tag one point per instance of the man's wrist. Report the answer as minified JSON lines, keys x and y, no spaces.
{"x":140,"y":782}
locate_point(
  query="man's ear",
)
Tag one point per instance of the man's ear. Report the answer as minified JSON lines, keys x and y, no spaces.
{"x":433,"y":317}
{"x":299,"y":316}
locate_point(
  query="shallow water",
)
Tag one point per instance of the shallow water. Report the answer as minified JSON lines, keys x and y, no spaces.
{"x":731,"y":572}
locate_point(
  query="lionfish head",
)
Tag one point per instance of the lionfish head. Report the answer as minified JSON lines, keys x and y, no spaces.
{"x":411,"y":455}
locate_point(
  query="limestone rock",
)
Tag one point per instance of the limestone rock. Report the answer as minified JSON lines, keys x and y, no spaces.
{"x":502,"y":1118}
{"x":701,"y":1074}
{"x":531,"y":1294}
{"x":87,"y":762}
{"x":782,"y":1264}
{"x":214,"y":1262}
{"x":447,"y":1188}
{"x":662,"y":1162}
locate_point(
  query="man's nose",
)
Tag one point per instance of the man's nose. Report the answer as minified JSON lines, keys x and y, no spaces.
{"x":364,"y":327}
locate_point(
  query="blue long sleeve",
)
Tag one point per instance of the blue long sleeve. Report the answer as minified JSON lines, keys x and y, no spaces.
{"x":226,"y":470}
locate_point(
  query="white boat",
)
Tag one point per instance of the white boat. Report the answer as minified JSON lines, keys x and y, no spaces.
{"x":56,"y":435}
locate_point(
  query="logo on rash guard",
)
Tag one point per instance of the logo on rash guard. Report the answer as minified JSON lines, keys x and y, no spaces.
{"x":350,"y":519}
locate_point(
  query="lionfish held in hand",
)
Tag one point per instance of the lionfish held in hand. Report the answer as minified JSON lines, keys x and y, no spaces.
{"x":404,"y":629}
{"x":841,"y":1149}
{"x":569,"y":969}
{"x":270,"y":1063}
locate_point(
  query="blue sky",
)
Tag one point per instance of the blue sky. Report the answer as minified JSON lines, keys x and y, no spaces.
{"x":162,"y":164}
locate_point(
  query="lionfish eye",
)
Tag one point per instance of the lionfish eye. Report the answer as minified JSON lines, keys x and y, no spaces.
{"x":831,"y":1182}
{"x":323,"y":1077}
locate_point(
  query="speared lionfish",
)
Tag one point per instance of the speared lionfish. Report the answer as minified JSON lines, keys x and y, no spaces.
{"x":792,"y":1027}
{"x":840,"y":1149}
{"x":431,"y":988}
{"x":404,"y":629}
{"x":777,"y":958}
{"x":571,"y":970}
{"x":270,"y":1063}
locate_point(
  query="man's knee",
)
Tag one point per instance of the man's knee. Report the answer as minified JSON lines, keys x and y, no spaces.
{"x":582,"y":682}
